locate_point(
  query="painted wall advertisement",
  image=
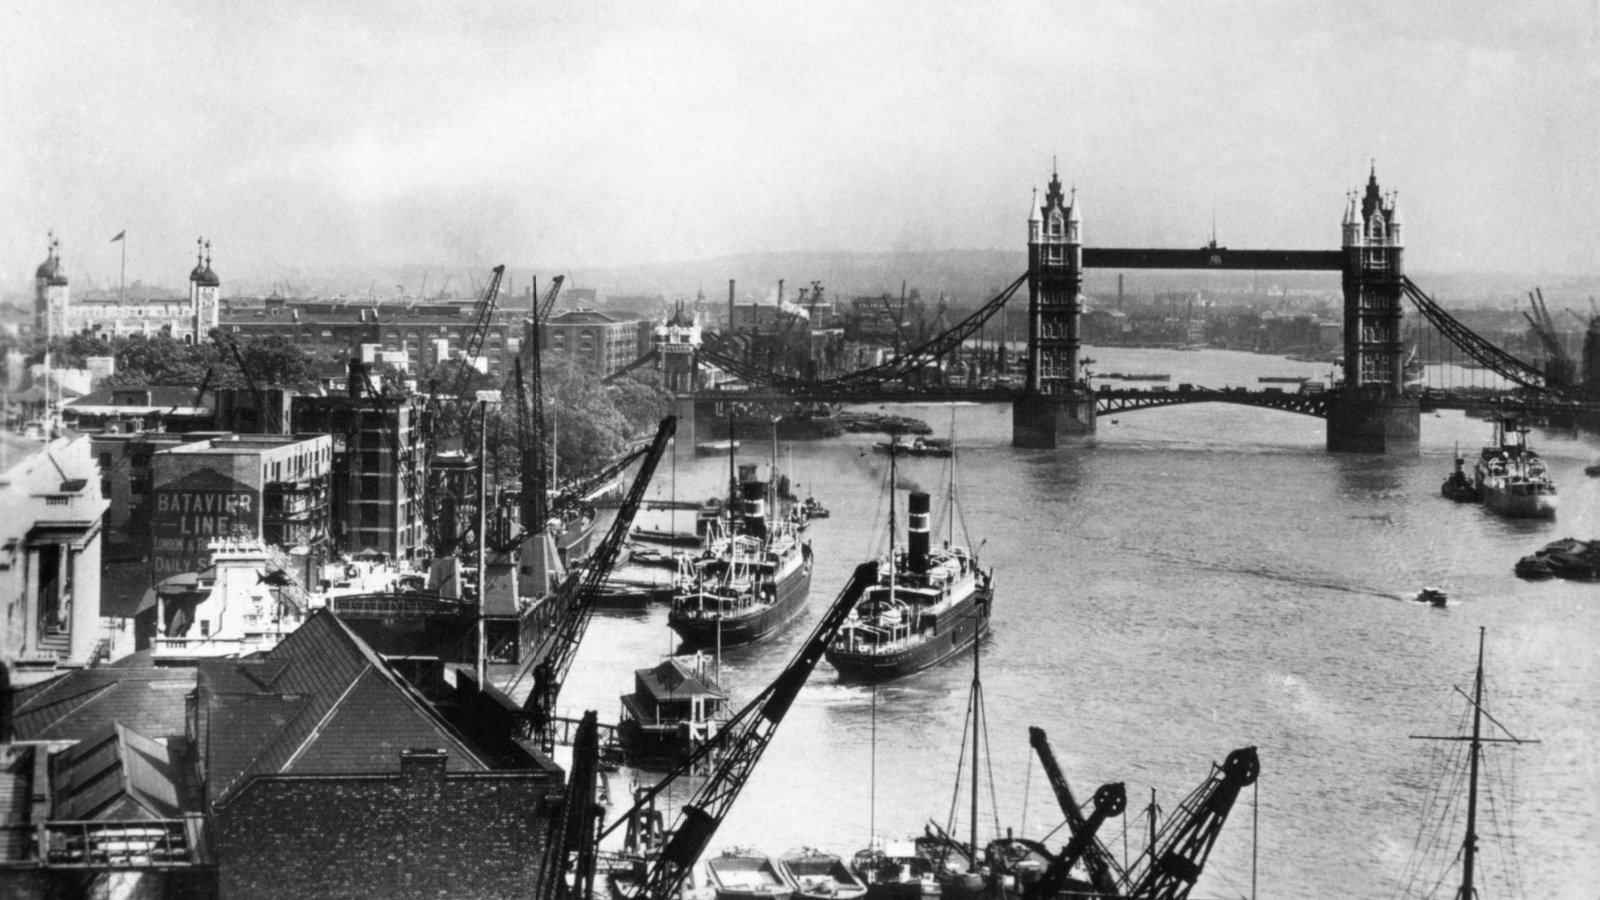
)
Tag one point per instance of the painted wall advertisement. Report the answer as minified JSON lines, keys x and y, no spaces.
{"x":191,"y":512}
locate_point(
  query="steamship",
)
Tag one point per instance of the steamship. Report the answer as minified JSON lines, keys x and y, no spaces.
{"x":750,"y":579}
{"x":927,"y":606}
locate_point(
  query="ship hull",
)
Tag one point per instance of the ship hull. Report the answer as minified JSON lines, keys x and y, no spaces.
{"x":744,"y":628}
{"x":1519,"y":506}
{"x":955,"y":632}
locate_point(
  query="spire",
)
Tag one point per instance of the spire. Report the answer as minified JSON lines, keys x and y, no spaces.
{"x":1073,"y":215}
{"x":1033,"y":215}
{"x":208,"y":254}
{"x":199,"y":254}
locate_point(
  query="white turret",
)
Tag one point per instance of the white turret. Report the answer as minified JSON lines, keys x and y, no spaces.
{"x":1074,"y":221}
{"x":1394,"y":219}
{"x":1035,"y":219}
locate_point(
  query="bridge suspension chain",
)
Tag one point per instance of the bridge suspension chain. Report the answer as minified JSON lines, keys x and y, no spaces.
{"x":929,"y":351}
{"x":1486,"y":354}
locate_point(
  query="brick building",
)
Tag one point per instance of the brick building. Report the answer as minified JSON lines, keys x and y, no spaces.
{"x":596,"y":340}
{"x":378,"y":469}
{"x":313,"y":770}
{"x":273,"y":487}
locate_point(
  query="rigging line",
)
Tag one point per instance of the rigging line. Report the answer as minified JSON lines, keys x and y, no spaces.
{"x":872,"y":781}
{"x":1027,"y":785}
{"x":988,"y":753}
{"x":955,"y":797}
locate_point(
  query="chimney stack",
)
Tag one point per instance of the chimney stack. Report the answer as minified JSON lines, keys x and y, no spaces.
{"x":917,"y":532}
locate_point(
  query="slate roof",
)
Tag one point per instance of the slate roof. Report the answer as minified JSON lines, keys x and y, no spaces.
{"x":123,"y":775}
{"x":672,"y":679}
{"x":84,"y":704}
{"x":320,"y":702}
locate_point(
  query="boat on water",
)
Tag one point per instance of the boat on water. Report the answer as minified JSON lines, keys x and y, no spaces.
{"x":741,"y":873}
{"x":1432,"y":596}
{"x":676,"y":706}
{"x":715,"y":448}
{"x":1425,"y":873}
{"x":752,"y":576}
{"x":1283,"y":379}
{"x":917,"y":446}
{"x":928,"y":605}
{"x":1458,"y":486}
{"x":1567,"y":558}
{"x":1512,"y":478}
{"x":819,"y":875}
{"x":894,"y":870}
{"x":664,"y":536}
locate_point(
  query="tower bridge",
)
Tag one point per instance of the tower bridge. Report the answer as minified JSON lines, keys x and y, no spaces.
{"x":1369,"y":412}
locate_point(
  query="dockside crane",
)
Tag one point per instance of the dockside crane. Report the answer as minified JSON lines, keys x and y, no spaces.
{"x":268,"y":414}
{"x":737,"y":749}
{"x":1100,"y":864}
{"x":1559,"y":368}
{"x":572,"y":846}
{"x":1175,"y":859}
{"x":535,"y":498}
{"x":436,"y":430}
{"x":575,"y":598}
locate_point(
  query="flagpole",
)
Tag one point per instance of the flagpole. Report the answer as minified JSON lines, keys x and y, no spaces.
{"x":122,"y":277}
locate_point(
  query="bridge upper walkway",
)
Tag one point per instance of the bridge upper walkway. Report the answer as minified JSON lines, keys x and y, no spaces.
{"x":910,"y":376}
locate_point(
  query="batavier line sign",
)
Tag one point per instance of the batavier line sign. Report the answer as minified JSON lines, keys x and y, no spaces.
{"x":192,"y":512}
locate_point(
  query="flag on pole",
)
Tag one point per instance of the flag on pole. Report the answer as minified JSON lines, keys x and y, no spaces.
{"x":119,"y":235}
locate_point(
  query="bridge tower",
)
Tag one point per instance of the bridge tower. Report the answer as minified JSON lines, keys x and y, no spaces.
{"x":1370,"y":414}
{"x":1056,"y":403}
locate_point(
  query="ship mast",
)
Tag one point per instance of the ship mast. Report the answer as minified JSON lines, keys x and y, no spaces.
{"x":894,"y":451}
{"x":977,"y":719}
{"x":1469,"y":844}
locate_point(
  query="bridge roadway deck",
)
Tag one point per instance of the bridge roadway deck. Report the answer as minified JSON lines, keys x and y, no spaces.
{"x":1108,"y":401}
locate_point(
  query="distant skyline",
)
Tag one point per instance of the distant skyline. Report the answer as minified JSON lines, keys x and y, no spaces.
{"x":299,"y":136}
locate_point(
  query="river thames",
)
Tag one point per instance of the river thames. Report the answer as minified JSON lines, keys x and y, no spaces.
{"x":1188,"y":581}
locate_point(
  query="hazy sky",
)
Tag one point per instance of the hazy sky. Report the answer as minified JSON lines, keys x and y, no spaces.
{"x":572,"y":134}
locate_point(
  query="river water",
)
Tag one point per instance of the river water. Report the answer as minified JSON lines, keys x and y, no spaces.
{"x":1188,"y":581}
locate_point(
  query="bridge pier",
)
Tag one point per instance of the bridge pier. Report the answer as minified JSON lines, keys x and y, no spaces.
{"x":1374,"y":425}
{"x":1048,"y":421}
{"x":683,"y":407}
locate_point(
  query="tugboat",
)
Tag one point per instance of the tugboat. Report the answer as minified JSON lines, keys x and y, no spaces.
{"x":1433,"y":596}
{"x":1458,"y":486}
{"x":1511,"y":477}
{"x":927,"y":606}
{"x":751,"y":579}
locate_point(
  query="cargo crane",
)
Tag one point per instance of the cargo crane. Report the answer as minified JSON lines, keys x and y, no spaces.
{"x":1559,"y":369}
{"x":737,"y":747}
{"x":572,"y":847}
{"x":1099,"y":863}
{"x":1109,"y":802}
{"x":530,"y":412}
{"x":436,"y":431}
{"x":268,"y":414}
{"x":574,"y":601}
{"x":1175,"y":859}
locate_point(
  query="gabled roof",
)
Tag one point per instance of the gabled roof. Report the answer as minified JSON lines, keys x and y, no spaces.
{"x":673,"y":679}
{"x":320,"y":702}
{"x":83,"y":704}
{"x":121,"y":775}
